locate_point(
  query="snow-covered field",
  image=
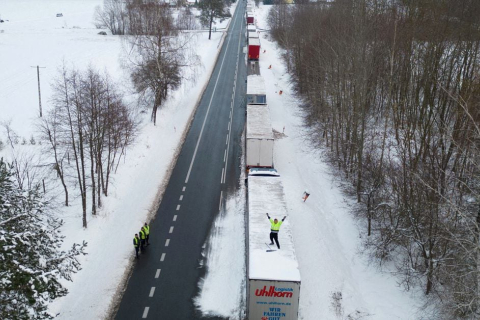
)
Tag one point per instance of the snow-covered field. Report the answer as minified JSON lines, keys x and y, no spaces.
{"x":337,"y":280}
{"x":32,"y":35}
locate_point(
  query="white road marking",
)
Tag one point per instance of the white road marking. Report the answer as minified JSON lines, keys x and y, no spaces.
{"x":157,"y":274}
{"x":221,"y":178}
{"x":178,"y":207}
{"x":171,"y":230}
{"x":184,"y":189}
{"x":145,"y":312}
{"x":162,"y":257}
{"x":226,"y":141}
{"x":181,"y":197}
{"x":152,"y":291}
{"x":220,"y":204}
{"x":208,"y":109}
{"x":225,"y":155}
{"x":167,"y":242}
{"x":175,"y":218}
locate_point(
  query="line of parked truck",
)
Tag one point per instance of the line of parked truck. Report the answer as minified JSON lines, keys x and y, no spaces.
{"x":273,"y":277}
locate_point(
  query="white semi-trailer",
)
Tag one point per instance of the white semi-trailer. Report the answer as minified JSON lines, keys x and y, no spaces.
{"x":256,"y":93}
{"x":259,"y":137}
{"x":273,"y":277}
{"x":252,"y":35}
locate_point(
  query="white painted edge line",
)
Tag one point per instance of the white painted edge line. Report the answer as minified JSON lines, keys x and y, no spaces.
{"x":171,"y":230}
{"x":152,"y":291}
{"x":208,"y":109}
{"x":167,"y":242}
{"x":175,"y":218}
{"x":162,"y":257}
{"x":178,"y":207}
{"x":145,"y":312}
{"x":225,"y":155}
{"x":221,"y":178}
{"x":157,"y":274}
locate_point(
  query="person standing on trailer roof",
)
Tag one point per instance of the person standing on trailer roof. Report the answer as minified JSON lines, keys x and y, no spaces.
{"x":275,"y":228}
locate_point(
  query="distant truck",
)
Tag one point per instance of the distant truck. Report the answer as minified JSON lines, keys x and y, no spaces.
{"x":250,"y":18}
{"x":273,"y":277}
{"x":253,"y":49}
{"x":256,"y":93}
{"x":259,"y":137}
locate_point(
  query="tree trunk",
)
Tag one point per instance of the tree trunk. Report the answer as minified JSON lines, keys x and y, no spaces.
{"x":92,"y":176}
{"x":210,"y":29}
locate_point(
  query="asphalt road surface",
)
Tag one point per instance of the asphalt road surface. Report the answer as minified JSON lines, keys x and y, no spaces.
{"x":164,"y":279}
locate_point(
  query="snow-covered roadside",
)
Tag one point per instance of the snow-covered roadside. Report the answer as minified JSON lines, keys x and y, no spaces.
{"x":325,"y":233}
{"x":222,"y":290}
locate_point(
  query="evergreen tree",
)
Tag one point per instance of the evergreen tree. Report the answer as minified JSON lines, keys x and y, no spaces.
{"x":212,"y":9}
{"x":31,"y":262}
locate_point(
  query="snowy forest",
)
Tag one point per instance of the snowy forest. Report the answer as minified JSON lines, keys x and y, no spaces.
{"x":391,"y":92}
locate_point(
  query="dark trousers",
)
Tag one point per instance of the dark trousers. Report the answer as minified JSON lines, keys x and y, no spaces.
{"x":146,"y":239}
{"x":274,"y":236}
{"x":142,"y":244}
{"x":136,"y":251}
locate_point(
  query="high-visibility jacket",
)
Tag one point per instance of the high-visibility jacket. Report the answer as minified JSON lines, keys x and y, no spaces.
{"x":135,"y":242}
{"x":147,"y":229}
{"x":142,"y":235}
{"x":275,"y":226}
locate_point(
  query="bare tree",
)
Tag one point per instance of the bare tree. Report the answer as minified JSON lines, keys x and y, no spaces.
{"x":160,"y":53}
{"x":211,"y":10}
{"x":113,"y":16}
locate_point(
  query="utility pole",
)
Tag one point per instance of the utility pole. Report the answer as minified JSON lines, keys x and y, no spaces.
{"x":39,"y":94}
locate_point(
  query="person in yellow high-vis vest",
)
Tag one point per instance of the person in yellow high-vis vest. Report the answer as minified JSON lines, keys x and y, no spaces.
{"x":141,"y":233}
{"x":136,"y":244}
{"x":274,"y":229}
{"x":146,"y":228}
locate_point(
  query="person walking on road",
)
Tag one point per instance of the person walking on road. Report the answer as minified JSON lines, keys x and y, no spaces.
{"x":147,"y":233}
{"x":275,"y":227}
{"x":136,"y":244}
{"x":142,"y":239}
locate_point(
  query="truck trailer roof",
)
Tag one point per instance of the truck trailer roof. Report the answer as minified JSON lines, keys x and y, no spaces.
{"x":265,"y":194}
{"x":258,"y":122}
{"x":254,"y":42}
{"x":256,"y":85}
